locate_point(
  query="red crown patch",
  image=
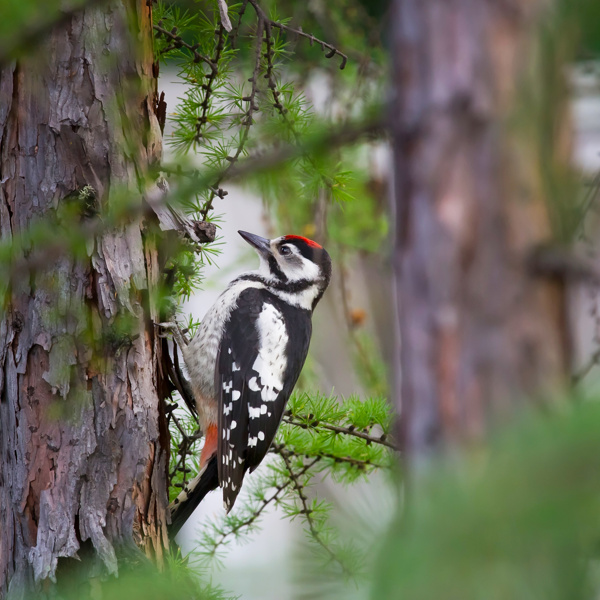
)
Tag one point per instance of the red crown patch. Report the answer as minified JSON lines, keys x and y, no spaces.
{"x":305,"y":240}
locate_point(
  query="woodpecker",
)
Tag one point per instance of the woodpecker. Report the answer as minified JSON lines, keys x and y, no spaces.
{"x":245,"y":359}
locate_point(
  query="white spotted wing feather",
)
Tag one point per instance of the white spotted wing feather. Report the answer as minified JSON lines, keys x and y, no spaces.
{"x":262,"y":352}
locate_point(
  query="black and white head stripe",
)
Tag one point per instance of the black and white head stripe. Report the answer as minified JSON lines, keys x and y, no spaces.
{"x":292,"y":264}
{"x":301,"y":259}
{"x":262,"y":351}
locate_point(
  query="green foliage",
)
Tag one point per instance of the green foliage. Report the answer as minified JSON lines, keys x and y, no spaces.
{"x":188,"y":272}
{"x":325,"y":428}
{"x":23,"y":23}
{"x":320,"y":438}
{"x":242,"y":103}
{"x":139,"y":582}
{"x":518,"y":520}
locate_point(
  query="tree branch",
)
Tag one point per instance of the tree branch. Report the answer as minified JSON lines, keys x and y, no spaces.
{"x":178,"y":42}
{"x":16,"y":265}
{"x":330,"y":51}
{"x":246,"y":121}
{"x":208,"y":86}
{"x":355,"y":462}
{"x":233,"y":36}
{"x":306,"y":510}
{"x":288,"y":418}
{"x":265,"y":502}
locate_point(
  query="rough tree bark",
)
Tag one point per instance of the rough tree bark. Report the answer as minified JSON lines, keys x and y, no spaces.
{"x":480,"y":334}
{"x":83,"y":444}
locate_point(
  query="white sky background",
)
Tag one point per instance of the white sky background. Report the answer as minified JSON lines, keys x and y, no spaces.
{"x":262,"y":562}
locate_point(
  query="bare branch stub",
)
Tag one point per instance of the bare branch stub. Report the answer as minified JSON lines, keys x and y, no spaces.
{"x":205,"y":231}
{"x":223,"y":13}
{"x":161,"y":112}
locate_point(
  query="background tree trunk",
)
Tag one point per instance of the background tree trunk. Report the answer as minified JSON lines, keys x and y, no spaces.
{"x":83,"y":443}
{"x":480,"y":334}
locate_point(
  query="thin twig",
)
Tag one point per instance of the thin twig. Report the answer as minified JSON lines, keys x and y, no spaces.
{"x":183,"y":450}
{"x":355,"y":462}
{"x":265,"y":502}
{"x":330,"y":51}
{"x":233,"y":36}
{"x":178,"y":42}
{"x":208,"y":86}
{"x":181,"y":430}
{"x":272,"y":83}
{"x":247,"y":120}
{"x":306,"y":510}
{"x":345,"y":430}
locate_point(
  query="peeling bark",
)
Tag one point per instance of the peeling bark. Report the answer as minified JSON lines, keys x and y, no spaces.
{"x":83,"y":440}
{"x":480,"y":335}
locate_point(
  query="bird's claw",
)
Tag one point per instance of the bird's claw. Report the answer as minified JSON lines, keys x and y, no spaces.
{"x":172,"y":327}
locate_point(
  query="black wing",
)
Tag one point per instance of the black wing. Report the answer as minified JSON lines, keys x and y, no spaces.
{"x":239,"y":347}
{"x":262,"y":351}
{"x":268,"y":404}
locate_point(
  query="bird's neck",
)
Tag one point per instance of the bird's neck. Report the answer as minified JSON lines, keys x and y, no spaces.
{"x":301,"y":293}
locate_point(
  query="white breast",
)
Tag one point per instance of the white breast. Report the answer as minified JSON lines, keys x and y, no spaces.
{"x":200,"y":355}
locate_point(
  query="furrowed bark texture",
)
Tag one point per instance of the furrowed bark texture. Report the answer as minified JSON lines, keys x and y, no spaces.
{"x":479,"y":333}
{"x":83,"y":447}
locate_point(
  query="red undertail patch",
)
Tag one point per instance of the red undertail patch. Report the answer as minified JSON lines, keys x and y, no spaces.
{"x":210,"y":445}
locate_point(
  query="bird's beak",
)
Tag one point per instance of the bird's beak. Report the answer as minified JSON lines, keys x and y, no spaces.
{"x":263,"y":245}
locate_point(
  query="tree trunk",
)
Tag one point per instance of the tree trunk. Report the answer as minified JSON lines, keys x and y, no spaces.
{"x":480,"y":333}
{"x":83,"y":440}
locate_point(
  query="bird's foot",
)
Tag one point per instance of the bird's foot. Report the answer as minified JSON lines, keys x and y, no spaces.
{"x":173,"y":327}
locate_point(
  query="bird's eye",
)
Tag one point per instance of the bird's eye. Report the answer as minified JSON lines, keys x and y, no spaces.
{"x":285,"y":250}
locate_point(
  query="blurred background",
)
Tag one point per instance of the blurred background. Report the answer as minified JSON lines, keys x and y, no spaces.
{"x":444,"y":436}
{"x":353,"y":351}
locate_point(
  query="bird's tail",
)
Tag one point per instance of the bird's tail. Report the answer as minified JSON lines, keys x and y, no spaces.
{"x":184,"y":505}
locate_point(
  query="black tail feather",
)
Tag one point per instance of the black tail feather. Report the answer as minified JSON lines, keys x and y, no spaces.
{"x":209,"y":480}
